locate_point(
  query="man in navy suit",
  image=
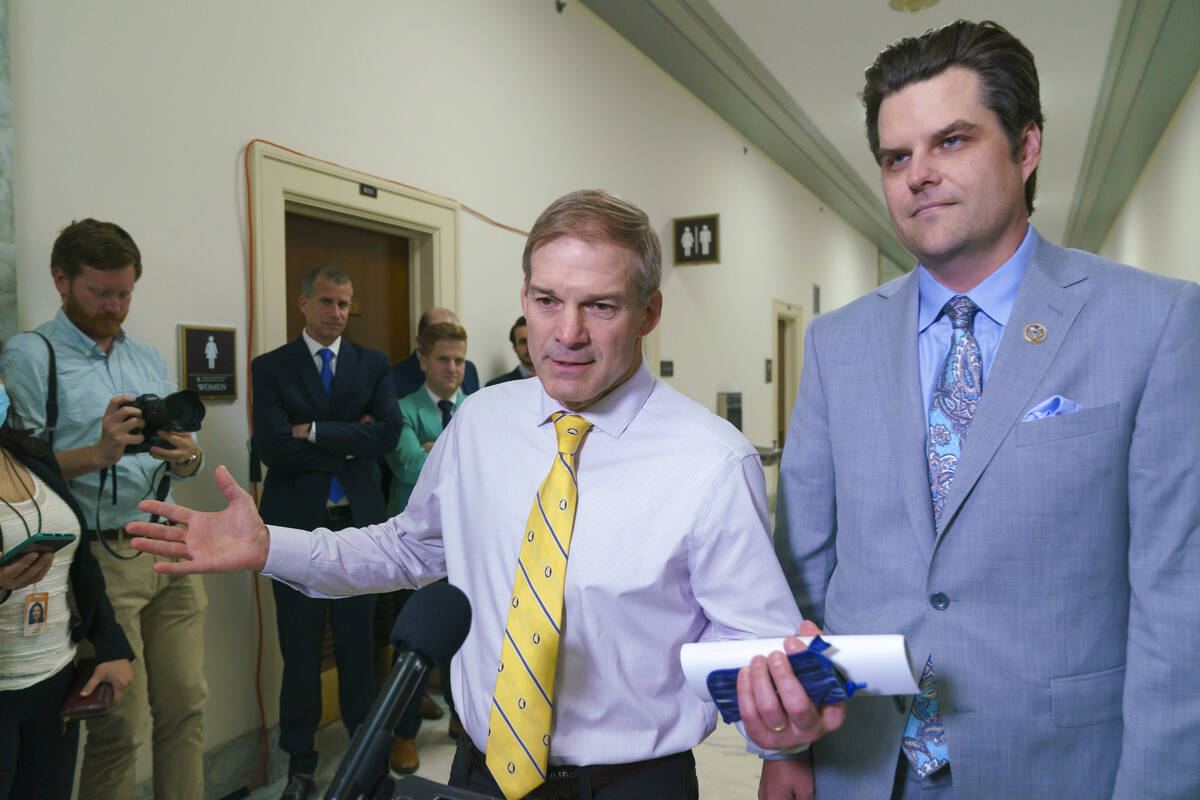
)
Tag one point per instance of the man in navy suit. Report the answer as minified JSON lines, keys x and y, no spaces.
{"x":407,"y":376}
{"x":324,"y":413}
{"x":518,"y":337}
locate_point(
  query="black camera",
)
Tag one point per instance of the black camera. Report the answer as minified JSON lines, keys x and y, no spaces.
{"x":181,"y":411}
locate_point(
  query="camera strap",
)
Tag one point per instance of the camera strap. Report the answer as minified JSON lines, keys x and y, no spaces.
{"x":160,"y":494}
{"x":104,"y":473}
{"x":51,"y":392}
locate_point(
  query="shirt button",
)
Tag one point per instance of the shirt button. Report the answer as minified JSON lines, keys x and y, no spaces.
{"x":939,"y":600}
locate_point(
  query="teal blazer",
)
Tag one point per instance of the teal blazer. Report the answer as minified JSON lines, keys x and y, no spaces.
{"x":422,"y":423}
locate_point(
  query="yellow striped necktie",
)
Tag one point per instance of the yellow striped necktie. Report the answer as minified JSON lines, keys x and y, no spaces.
{"x":518,"y":745}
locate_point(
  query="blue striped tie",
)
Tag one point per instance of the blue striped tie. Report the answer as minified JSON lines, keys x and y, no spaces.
{"x":335,"y":486}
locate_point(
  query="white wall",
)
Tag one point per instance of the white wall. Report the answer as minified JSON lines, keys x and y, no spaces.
{"x":139,"y":112}
{"x":1157,"y":228}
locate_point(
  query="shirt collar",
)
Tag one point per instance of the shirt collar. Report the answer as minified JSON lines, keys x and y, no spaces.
{"x":436,"y":399}
{"x":994,"y":295}
{"x":613,"y":412}
{"x":314,"y":346}
{"x":80,"y":340}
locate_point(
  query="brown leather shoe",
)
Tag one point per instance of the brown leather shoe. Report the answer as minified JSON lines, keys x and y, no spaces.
{"x":404,"y":756}
{"x":456,"y":729}
{"x":430,"y":708}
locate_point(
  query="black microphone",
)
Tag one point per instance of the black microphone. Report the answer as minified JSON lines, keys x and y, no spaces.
{"x":430,"y":629}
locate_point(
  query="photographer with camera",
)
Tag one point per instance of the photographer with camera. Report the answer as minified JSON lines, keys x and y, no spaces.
{"x":103,"y":421}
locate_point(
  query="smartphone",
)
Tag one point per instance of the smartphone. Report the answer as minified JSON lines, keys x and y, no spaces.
{"x":38,"y":543}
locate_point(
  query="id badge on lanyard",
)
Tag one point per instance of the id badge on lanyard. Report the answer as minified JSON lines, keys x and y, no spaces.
{"x":37,"y":608}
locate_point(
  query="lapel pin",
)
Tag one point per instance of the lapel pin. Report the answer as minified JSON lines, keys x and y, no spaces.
{"x":1035,"y":333}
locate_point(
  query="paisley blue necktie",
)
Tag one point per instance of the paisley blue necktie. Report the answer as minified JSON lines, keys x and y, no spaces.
{"x":951,"y":410}
{"x":336,"y":493}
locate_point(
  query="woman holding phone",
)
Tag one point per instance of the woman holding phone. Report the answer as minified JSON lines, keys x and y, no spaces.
{"x":49,"y":601}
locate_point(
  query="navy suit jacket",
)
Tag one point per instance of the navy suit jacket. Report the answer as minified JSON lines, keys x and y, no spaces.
{"x":515,"y":375}
{"x":288,"y":391}
{"x":407,"y":377}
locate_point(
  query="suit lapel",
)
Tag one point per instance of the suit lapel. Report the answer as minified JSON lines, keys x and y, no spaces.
{"x":345,"y":384}
{"x":306,"y":367}
{"x":897,"y":365}
{"x":428,"y":414}
{"x":1045,"y":296}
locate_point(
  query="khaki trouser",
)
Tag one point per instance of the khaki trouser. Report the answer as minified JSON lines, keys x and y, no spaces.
{"x":163,"y":617}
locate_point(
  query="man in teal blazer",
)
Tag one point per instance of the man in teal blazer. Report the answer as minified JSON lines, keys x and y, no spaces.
{"x":1056,"y":589}
{"x":442,"y":350}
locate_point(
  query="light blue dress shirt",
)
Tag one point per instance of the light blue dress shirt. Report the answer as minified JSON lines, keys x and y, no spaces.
{"x":994,"y":295}
{"x":87,"y":379}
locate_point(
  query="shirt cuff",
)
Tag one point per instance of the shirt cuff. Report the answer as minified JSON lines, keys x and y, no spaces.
{"x":804,"y":754}
{"x":288,"y":558}
{"x":772,"y":755}
{"x":312,"y":432}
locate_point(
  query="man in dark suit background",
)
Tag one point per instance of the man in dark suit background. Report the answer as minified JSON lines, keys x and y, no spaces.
{"x":324,"y":413}
{"x":407,"y":376}
{"x":518,"y":337}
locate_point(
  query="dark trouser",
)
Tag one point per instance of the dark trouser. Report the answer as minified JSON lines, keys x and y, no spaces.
{"x":37,"y":753}
{"x":667,"y":778}
{"x":301,"y":623}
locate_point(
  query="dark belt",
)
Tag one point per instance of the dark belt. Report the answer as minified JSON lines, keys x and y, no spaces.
{"x":563,"y":783}
{"x":337,"y":513}
{"x":113,"y":534}
{"x":110,"y":534}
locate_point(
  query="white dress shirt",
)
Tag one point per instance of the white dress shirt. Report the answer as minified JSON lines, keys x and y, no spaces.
{"x":315,"y":348}
{"x":671,"y":545}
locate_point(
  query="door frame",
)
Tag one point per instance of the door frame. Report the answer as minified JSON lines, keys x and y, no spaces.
{"x":793,"y":315}
{"x":284,"y":181}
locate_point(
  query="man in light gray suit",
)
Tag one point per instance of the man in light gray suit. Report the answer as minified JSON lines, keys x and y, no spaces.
{"x":1011,"y":480}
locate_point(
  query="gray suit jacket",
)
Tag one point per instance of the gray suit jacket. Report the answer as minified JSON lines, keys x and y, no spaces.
{"x":1069,"y":550}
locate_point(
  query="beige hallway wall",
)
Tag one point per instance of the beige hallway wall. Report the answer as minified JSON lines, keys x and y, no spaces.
{"x":138,"y":111}
{"x":1157,"y":229}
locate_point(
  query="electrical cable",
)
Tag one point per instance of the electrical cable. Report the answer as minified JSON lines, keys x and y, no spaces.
{"x":262,"y":717}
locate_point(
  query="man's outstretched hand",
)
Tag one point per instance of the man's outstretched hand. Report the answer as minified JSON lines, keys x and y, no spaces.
{"x":776,"y":711}
{"x":220,"y":541}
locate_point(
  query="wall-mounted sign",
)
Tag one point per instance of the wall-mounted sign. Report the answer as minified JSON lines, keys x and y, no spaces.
{"x":208,"y":361}
{"x":697,"y":240}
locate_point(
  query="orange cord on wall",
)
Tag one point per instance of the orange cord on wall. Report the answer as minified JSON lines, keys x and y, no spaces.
{"x":262,"y":716}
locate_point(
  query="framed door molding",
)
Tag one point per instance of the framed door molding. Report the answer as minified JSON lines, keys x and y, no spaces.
{"x":787,"y":364}
{"x":283,"y":181}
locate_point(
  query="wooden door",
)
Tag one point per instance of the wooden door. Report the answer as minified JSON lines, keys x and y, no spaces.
{"x":378,"y":266}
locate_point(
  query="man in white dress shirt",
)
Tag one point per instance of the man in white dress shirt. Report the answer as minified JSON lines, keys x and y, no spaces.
{"x":670,"y":541}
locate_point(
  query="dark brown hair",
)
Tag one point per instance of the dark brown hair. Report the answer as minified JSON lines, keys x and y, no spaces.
{"x":99,"y":245}
{"x":512,"y":332}
{"x":1005,"y":68}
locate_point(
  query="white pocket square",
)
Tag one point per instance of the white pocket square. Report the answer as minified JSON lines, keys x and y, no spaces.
{"x":1055,"y":406}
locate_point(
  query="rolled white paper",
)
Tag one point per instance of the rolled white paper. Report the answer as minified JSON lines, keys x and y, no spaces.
{"x":879,"y":661}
